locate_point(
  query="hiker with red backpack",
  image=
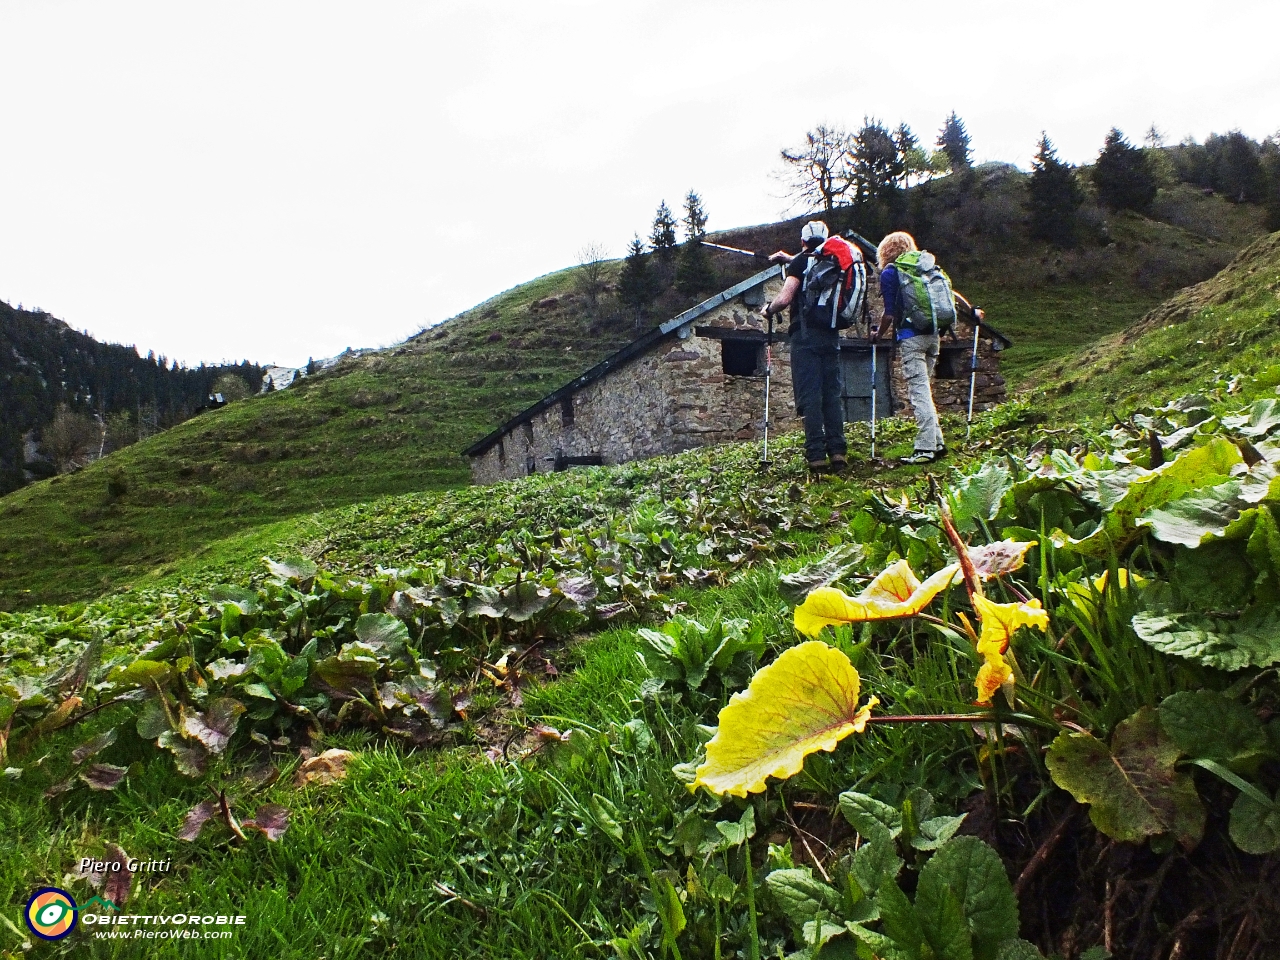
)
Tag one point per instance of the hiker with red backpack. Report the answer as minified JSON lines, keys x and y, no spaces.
{"x":919,"y":306}
{"x":825,"y":289}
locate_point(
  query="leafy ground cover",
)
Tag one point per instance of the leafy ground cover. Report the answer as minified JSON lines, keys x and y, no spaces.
{"x":394,"y":421}
{"x":526,"y":703}
{"x":467,"y":723}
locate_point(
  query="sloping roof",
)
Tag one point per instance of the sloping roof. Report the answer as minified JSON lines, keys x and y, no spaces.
{"x":631,"y":351}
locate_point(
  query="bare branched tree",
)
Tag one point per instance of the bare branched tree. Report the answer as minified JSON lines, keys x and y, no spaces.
{"x":71,"y":440}
{"x":818,"y":172}
{"x":590,"y":279}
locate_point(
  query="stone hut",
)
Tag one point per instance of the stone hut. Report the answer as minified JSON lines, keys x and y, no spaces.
{"x":698,"y":379}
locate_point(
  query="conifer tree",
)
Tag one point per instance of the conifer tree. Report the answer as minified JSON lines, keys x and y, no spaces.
{"x":693,"y":270}
{"x":953,"y":141}
{"x":1055,"y":195}
{"x":1237,"y":168}
{"x":1123,"y":175}
{"x":1271,"y":176}
{"x":663,"y":237}
{"x":635,"y":283}
{"x":695,"y":218}
{"x":877,"y":166}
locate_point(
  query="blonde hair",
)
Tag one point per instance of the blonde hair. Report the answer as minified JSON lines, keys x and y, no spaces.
{"x":893,"y":246}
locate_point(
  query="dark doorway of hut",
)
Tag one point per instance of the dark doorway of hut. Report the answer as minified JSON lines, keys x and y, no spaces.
{"x":855,"y":365}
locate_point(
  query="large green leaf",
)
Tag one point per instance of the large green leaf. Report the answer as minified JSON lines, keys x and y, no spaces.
{"x":801,"y":896}
{"x":526,"y":600}
{"x":1207,"y":725}
{"x":837,"y":564}
{"x":382,"y":632}
{"x":978,"y":496}
{"x":900,"y":921}
{"x":1262,"y":418}
{"x":1263,"y":551}
{"x":873,"y":819}
{"x":291,"y":568}
{"x":874,"y":863}
{"x":973,"y":872}
{"x":242,"y":598}
{"x":1126,"y":500}
{"x":1207,"y":514}
{"x":1132,"y":788}
{"x":943,"y":922}
{"x":1255,"y":826}
{"x":1251,"y":641}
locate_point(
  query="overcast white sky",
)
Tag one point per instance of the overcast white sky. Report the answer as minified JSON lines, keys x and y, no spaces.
{"x":277,"y":180}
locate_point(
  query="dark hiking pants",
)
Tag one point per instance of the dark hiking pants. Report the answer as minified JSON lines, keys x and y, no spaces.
{"x":818,"y":384}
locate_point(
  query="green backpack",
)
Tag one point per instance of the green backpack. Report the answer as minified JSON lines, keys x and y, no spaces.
{"x":928,"y":302}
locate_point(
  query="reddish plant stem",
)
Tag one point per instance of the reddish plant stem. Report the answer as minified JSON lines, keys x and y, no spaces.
{"x":935,"y":718}
{"x":962,"y":551}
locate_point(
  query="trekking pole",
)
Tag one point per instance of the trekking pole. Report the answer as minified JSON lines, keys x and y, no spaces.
{"x":768,"y":375}
{"x":873,"y":396}
{"x":973,"y":375}
{"x":745,"y":253}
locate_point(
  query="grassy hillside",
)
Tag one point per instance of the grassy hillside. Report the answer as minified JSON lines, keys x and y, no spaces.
{"x":395,"y":421}
{"x":385,"y":423}
{"x":1224,"y":329}
{"x":487,"y":656}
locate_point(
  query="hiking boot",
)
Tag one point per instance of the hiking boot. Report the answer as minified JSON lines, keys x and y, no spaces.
{"x":921,"y":457}
{"x":818,"y":467}
{"x":839,"y":464}
{"x":940,"y":452}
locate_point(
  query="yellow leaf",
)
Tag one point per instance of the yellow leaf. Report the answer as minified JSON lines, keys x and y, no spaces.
{"x":999,"y":623}
{"x":806,"y":700}
{"x":894,"y":593}
{"x":1083,"y":599}
{"x":1001,"y":620}
{"x":993,"y":675}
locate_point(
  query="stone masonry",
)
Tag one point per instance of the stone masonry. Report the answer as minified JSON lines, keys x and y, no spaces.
{"x":677,"y":395}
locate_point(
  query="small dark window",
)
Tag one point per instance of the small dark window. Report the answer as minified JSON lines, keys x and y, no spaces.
{"x":528,"y":431}
{"x":566,"y":412}
{"x":502,"y":452}
{"x":740,"y":358}
{"x":563,"y":462}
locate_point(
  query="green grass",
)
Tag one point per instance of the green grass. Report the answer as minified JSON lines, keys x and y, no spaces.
{"x":395,"y":421}
{"x":383,"y":424}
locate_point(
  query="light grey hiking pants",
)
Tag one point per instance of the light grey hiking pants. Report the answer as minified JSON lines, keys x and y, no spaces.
{"x":919,"y":357}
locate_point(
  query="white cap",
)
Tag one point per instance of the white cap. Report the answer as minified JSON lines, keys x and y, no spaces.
{"x":814,"y":230}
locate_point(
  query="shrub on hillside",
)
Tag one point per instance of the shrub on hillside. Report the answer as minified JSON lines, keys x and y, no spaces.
{"x":232,"y":387}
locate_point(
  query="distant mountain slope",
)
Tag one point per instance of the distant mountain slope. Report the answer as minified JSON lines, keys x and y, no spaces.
{"x":394,"y":421}
{"x":45,"y":365}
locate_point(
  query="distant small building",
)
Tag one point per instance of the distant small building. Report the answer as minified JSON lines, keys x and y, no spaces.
{"x":698,"y":379}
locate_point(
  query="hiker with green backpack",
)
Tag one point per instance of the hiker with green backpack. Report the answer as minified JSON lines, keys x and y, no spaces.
{"x":919,"y":306}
